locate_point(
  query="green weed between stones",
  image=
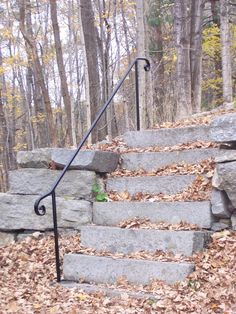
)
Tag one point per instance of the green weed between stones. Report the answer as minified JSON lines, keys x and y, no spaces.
{"x":99,"y":194}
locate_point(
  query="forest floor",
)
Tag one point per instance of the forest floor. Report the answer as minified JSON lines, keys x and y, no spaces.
{"x":27,"y":268}
{"x":27,"y":282}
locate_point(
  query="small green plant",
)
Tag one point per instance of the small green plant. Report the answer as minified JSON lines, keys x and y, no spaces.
{"x":99,"y":194}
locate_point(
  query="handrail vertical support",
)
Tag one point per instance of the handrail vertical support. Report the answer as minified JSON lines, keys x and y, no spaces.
{"x":137,"y":96}
{"x":56,"y":241}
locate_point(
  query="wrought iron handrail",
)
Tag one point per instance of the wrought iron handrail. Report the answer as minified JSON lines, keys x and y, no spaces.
{"x":41,"y":209}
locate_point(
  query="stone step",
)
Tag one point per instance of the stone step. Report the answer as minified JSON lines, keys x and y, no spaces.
{"x":167,"y":137}
{"x":113,"y":213}
{"x":109,"y":292}
{"x":150,"y":184}
{"x":17,"y":213}
{"x":151,"y":161}
{"x":120,"y":240}
{"x":96,"y":269}
{"x":77,"y":183}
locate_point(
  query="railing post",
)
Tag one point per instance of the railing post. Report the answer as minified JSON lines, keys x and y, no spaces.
{"x":55,"y":229}
{"x":137,"y":96}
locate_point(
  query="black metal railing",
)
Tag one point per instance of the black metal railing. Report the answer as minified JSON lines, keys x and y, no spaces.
{"x":41,"y":209}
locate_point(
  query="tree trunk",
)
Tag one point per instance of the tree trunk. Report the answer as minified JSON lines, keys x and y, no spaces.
{"x":196,"y":54}
{"x":61,"y":69}
{"x":90,"y":42}
{"x":225,"y":51}
{"x":141,"y":52}
{"x":183,"y":74}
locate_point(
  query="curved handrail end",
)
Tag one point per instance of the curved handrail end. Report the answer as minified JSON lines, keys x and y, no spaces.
{"x":39,"y":210}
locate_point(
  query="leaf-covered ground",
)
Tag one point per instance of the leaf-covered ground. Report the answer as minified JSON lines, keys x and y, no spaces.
{"x":27,"y":283}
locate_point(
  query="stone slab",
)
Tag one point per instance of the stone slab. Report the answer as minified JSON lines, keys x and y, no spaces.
{"x":225,"y":179}
{"x":219,"y":204}
{"x":38,"y":158}
{"x":17,"y":213}
{"x":109,"y":292}
{"x":39,"y":181}
{"x":223,"y":128}
{"x":152,"y":161}
{"x":7,"y":238}
{"x":224,"y":155}
{"x":98,"y":161}
{"x":126,"y":241}
{"x":167,"y":137}
{"x":107,"y":270}
{"x":150,"y":184}
{"x":112,"y":213}
{"x":233,"y":221}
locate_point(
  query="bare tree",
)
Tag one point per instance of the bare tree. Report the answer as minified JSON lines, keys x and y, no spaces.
{"x":225,"y":51}
{"x":61,"y":69}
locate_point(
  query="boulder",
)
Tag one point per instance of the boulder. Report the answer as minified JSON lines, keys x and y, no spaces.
{"x":223,"y":128}
{"x":225,"y":179}
{"x":219,"y":204}
{"x":98,"y":161}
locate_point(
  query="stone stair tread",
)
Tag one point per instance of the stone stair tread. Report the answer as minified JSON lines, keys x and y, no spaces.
{"x":97,"y":269}
{"x":113,"y":213}
{"x":107,"y":291}
{"x":150,"y":161}
{"x":150,"y":184}
{"x":167,"y":136}
{"x":124,"y":240}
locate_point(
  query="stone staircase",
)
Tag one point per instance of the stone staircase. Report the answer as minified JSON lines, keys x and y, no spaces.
{"x":111,"y":249}
{"x":105,"y":235}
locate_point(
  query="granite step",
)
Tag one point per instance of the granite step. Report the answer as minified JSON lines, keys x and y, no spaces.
{"x":168,"y":136}
{"x":151,"y":161}
{"x":99,"y":269}
{"x":150,"y":184}
{"x":121,"y":240}
{"x":113,"y":213}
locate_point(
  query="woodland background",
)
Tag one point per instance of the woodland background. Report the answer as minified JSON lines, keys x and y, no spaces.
{"x":59,"y":62}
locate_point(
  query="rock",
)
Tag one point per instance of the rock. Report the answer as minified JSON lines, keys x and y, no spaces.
{"x":98,"y":269}
{"x":233,"y":221}
{"x":148,"y":184}
{"x":7,"y":238}
{"x":219,"y":204}
{"x":225,"y":179}
{"x":113,"y":213}
{"x":109,"y":292}
{"x":223,"y":128}
{"x":218,"y":226}
{"x":39,"y":181}
{"x":224,"y":155}
{"x":126,"y":241}
{"x":152,"y":161}
{"x":167,"y":137}
{"x":17,"y":213}
{"x":39,"y":158}
{"x":98,"y":161}
{"x":24,"y":235}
